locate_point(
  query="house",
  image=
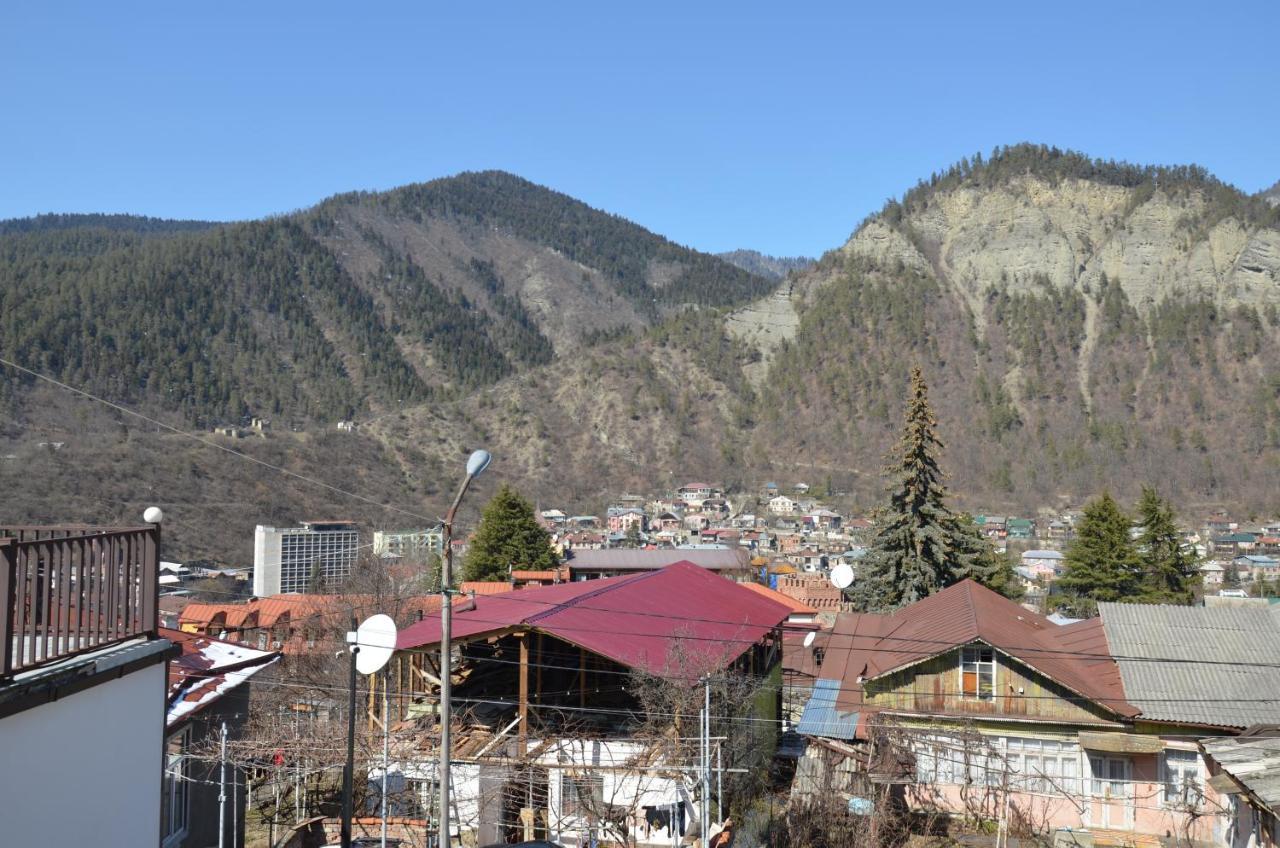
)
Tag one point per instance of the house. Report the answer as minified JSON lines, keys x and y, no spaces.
{"x":545,"y":577}
{"x":82,"y":685}
{"x":1021,"y":528}
{"x":548,"y":724}
{"x":1257,"y":567}
{"x":1043,"y":565}
{"x":782,"y":505}
{"x":552,"y":519}
{"x":208,"y":691}
{"x":812,"y":590}
{"x":800,"y":613}
{"x":1060,"y":531}
{"x":612,"y":562}
{"x":620,"y":519}
{"x":694,"y":494}
{"x":825,"y":519}
{"x":1234,"y":543}
{"x":668,"y":521}
{"x":1247,"y":769}
{"x":802,"y":488}
{"x":1212,"y":574}
{"x":992,"y":707}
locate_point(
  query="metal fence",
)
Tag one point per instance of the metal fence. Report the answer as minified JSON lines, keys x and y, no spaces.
{"x":74,"y":588}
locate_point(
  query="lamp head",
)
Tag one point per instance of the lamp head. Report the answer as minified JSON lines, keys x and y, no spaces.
{"x":153,"y":515}
{"x":478,"y":462}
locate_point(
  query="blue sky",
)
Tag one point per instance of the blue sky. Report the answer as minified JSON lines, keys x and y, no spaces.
{"x":772,"y":126}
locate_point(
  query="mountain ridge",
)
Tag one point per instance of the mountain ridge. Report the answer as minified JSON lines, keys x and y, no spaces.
{"x":1083,"y":325}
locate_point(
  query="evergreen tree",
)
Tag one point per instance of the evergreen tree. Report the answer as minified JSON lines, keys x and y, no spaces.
{"x":509,"y":537}
{"x":920,"y":546}
{"x":990,"y":567}
{"x":1168,"y":572}
{"x":1101,"y":564}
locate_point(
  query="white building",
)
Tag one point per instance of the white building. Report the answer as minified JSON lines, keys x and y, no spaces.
{"x":782,"y":505}
{"x":408,"y":543}
{"x":82,"y":697}
{"x":300,"y":559}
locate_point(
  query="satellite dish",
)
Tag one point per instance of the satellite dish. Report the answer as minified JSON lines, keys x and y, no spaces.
{"x":376,"y":639}
{"x":842,"y":576}
{"x":809,"y":637}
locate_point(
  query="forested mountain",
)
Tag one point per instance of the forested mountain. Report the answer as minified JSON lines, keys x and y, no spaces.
{"x":364,"y":303}
{"x":1081,"y":325}
{"x":773,"y":267}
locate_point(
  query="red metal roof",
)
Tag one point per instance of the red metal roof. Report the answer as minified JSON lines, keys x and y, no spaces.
{"x":680,"y":619}
{"x":206,"y":670}
{"x":868,"y":645}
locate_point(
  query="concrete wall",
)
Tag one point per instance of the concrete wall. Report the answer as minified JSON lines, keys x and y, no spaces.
{"x":85,"y":770}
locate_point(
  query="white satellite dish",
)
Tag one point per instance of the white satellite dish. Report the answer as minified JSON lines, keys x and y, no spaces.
{"x":842,"y":576}
{"x":809,"y":637}
{"x":376,"y":638}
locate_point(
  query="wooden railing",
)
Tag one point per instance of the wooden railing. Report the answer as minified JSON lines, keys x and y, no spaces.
{"x":71,"y":589}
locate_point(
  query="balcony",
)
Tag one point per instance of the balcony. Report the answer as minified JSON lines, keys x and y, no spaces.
{"x":72,"y":589}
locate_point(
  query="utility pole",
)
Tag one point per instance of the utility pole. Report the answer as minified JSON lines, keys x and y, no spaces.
{"x":348,"y":770}
{"x":222,"y":791}
{"x":386,"y":748}
{"x":706,"y":760}
{"x":476,"y":463}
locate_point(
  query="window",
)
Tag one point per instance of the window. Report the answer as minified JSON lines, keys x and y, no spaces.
{"x":1110,"y":777}
{"x":1181,"y":777}
{"x":173,"y":805}
{"x":978,"y":672}
{"x":577,"y":794}
{"x":1043,"y":765}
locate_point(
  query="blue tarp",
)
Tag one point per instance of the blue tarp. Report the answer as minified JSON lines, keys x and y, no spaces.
{"x":821,"y":716}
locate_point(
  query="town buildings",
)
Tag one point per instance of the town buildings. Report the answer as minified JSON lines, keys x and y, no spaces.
{"x":310,"y":558}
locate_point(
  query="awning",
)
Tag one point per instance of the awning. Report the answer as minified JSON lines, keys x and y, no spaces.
{"x":1120,"y":743}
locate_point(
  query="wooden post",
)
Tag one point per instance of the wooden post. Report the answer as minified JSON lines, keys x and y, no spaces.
{"x":582,"y":677}
{"x":523,"y":743}
{"x":537,"y":686}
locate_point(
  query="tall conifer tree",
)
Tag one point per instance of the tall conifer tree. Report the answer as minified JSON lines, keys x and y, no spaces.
{"x":1168,"y":570}
{"x":508,"y":537}
{"x":920,"y":546}
{"x":1102,"y":563}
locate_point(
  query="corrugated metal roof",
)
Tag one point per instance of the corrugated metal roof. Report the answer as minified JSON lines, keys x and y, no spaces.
{"x":1199,"y":665}
{"x":681,"y":615}
{"x":823,"y":717}
{"x":624,"y":559}
{"x":1254,"y":763}
{"x":865,"y":646}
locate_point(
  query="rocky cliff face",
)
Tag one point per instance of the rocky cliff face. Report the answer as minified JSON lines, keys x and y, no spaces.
{"x":1084,"y":326}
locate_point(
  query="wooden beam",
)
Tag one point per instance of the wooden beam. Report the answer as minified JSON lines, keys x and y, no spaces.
{"x":582,"y":677}
{"x":537,"y":686}
{"x":1120,"y":743}
{"x":522,"y":745}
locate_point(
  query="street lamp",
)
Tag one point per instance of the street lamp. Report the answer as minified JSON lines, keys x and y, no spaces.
{"x":476,"y":463}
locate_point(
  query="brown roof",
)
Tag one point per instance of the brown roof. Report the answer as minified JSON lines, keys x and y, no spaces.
{"x":796,"y":607}
{"x":485,"y":587}
{"x":866,"y":645}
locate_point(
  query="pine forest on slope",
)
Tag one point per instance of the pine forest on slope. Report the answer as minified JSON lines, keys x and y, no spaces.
{"x":1082,"y":325}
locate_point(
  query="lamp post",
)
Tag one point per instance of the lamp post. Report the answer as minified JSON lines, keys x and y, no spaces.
{"x":476,"y":463}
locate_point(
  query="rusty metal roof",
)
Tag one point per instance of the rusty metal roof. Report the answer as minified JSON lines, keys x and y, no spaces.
{"x":869,"y":645}
{"x":682,"y":620}
{"x":624,"y":559}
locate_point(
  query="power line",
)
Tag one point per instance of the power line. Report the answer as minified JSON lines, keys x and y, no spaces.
{"x":211,"y":443}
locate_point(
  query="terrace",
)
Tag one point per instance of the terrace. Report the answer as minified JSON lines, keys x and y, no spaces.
{"x":69,"y":590}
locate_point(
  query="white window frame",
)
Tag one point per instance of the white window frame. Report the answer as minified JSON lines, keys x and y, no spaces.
{"x":175,"y":777}
{"x":972,"y":655}
{"x":1184,"y":781}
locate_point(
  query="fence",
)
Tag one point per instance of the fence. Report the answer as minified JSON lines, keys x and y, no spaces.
{"x":74,"y":588}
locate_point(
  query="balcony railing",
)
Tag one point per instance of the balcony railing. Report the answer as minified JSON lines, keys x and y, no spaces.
{"x":71,"y":589}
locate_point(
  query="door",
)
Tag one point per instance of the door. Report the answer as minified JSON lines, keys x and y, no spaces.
{"x":1111,"y":790}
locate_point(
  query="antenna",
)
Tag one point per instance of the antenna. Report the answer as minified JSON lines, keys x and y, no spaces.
{"x":376,"y":640}
{"x":842,"y":576}
{"x":809,"y":637}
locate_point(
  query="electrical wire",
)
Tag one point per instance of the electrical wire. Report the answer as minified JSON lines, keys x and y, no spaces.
{"x":211,"y":443}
